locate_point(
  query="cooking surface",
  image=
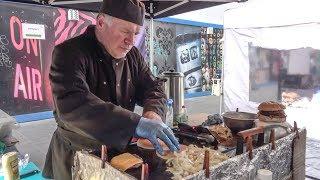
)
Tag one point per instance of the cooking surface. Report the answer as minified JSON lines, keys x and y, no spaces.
{"x":240,"y":115}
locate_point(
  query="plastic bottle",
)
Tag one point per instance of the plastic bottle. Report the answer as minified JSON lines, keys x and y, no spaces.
{"x":23,"y":160}
{"x":10,"y":166}
{"x":185,"y":114}
{"x":2,"y":147}
{"x":169,"y":116}
{"x":264,"y":174}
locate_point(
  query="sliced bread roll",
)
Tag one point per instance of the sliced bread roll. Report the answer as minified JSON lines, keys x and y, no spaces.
{"x":126,"y":161}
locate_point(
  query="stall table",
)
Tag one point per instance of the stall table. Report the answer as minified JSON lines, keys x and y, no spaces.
{"x":286,"y":161}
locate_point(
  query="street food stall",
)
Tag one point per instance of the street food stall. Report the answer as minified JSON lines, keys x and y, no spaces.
{"x":262,"y":145}
{"x":217,"y":149}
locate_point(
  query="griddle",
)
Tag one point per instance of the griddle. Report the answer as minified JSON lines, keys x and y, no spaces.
{"x":186,"y":134}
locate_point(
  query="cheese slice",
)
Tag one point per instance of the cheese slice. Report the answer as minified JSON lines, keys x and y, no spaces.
{"x":126,"y":161}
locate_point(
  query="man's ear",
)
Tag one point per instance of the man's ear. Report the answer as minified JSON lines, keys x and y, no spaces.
{"x":100,"y":22}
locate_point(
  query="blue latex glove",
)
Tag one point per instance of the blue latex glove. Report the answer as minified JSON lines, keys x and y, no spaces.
{"x":151,"y":130}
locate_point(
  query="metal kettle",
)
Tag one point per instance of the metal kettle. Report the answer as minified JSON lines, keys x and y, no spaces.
{"x":174,"y":89}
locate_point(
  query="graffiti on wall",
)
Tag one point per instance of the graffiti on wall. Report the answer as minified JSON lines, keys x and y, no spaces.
{"x":163,"y":45}
{"x":21,"y":65}
{"x":25,"y":63}
{"x":4,"y":52}
{"x":65,"y":29}
{"x":191,"y":50}
{"x":188,"y":60}
{"x":211,"y":56}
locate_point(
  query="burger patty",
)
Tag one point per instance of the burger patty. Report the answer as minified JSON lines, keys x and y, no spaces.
{"x":280,"y":114}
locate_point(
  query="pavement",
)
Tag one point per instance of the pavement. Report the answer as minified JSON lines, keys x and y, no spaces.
{"x":34,"y":137}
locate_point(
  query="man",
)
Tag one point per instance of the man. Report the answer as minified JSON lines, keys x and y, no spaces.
{"x":97,"y":78}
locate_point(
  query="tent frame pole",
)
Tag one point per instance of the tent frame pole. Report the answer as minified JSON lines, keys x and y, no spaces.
{"x":223,"y":39}
{"x":170,"y":8}
{"x":151,"y":45}
{"x":74,"y":2}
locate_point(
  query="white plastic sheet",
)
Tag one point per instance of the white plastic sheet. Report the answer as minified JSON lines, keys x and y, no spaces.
{"x":285,"y":24}
{"x":6,"y":124}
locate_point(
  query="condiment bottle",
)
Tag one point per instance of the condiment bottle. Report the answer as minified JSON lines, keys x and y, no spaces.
{"x":10,"y":165}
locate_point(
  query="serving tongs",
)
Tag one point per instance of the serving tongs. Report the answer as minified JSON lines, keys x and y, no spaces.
{"x":197,"y":133}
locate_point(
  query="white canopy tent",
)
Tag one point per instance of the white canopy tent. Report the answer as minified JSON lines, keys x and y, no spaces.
{"x":274,"y":24}
{"x":284,"y":24}
{"x":212,"y":15}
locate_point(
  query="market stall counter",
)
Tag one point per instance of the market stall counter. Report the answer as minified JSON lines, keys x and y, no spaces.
{"x":204,"y":156}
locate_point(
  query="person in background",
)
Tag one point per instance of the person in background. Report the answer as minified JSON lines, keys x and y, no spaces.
{"x":97,"y":79}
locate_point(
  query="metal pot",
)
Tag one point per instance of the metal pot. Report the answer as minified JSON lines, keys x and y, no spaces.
{"x":239,"y":121}
{"x":174,"y":89}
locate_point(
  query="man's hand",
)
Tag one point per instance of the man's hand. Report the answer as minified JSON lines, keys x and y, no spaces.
{"x":152,"y":130}
{"x":151,"y":115}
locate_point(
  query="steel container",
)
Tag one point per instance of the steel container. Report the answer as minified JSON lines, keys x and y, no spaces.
{"x":174,"y":89}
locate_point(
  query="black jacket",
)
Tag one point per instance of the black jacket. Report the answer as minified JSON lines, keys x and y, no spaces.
{"x":94,"y":96}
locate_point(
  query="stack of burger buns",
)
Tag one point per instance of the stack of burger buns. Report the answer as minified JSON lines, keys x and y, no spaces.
{"x":271,"y":111}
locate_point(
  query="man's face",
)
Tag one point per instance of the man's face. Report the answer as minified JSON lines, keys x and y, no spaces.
{"x":118,"y":37}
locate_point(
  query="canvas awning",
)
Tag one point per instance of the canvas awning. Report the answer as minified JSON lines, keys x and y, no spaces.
{"x":154,"y":8}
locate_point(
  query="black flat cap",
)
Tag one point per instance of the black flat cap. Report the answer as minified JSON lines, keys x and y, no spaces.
{"x":129,"y":10}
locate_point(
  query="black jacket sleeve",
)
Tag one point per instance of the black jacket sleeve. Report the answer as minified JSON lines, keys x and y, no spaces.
{"x":79,"y":110}
{"x":150,"y":90}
